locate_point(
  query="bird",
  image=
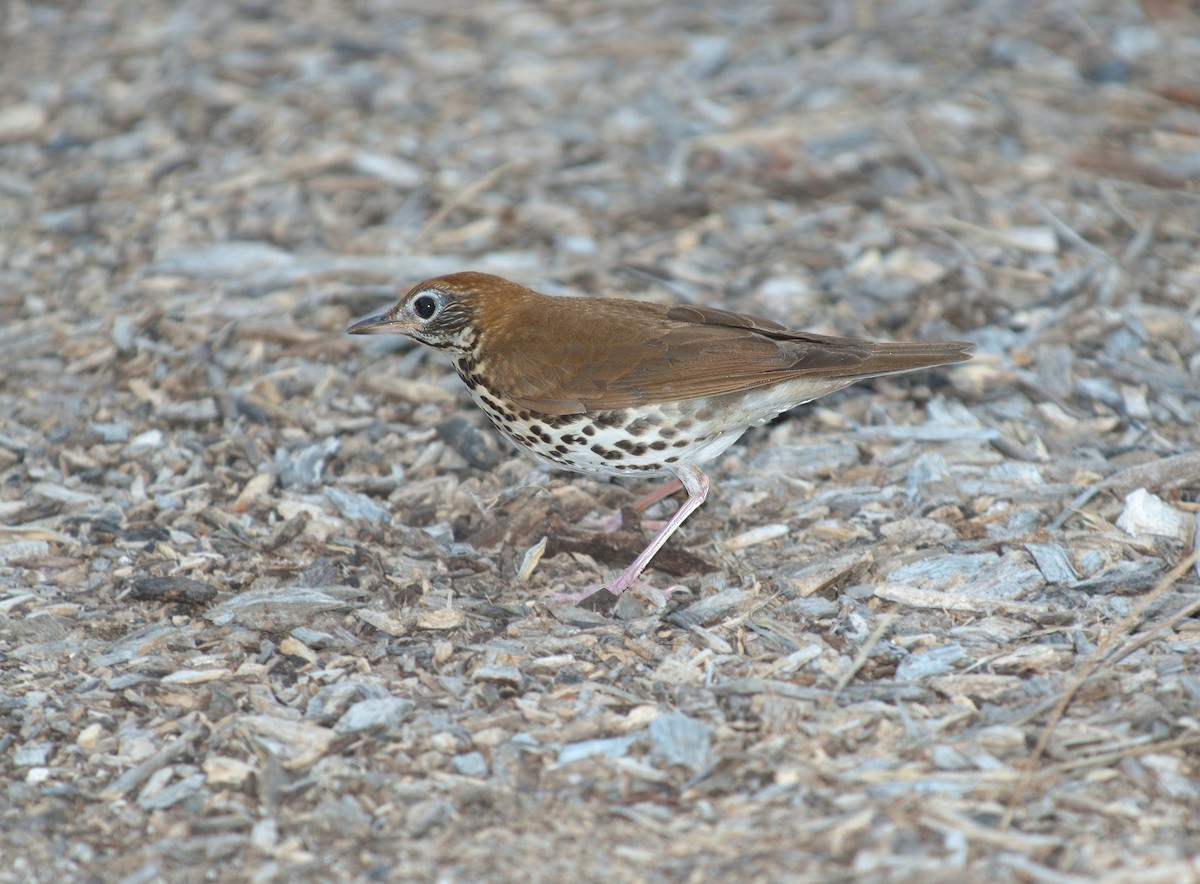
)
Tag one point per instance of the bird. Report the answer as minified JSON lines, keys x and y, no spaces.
{"x":623,"y":388}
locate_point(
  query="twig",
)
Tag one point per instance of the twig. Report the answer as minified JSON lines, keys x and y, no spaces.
{"x":885,"y":622}
{"x":1164,"y":474}
{"x":1071,"y":235}
{"x":1108,"y":653}
{"x":1104,"y":759}
{"x":457,"y":199}
{"x":1141,"y":240}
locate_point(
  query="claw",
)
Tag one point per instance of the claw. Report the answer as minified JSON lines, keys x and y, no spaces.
{"x":696,"y":484}
{"x":654,"y":595}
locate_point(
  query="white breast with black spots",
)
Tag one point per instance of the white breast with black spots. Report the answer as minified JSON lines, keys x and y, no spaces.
{"x":647,"y":441}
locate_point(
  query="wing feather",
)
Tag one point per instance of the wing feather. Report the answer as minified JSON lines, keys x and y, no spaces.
{"x":580,"y":355}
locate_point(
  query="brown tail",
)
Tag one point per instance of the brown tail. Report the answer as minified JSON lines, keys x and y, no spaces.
{"x":889,"y":358}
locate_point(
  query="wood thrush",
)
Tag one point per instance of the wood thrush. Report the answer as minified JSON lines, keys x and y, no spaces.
{"x":623,"y":388}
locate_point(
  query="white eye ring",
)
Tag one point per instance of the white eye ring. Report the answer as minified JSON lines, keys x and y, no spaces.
{"x":425,"y":306}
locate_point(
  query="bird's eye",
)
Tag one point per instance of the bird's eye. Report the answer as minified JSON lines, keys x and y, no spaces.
{"x":425,"y":306}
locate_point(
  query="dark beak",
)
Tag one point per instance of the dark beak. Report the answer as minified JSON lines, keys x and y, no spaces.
{"x":378,"y":325}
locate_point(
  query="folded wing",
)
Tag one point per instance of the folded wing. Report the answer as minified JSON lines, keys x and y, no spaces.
{"x":631,"y":353}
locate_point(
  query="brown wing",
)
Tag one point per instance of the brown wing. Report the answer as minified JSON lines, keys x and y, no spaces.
{"x":576,"y":355}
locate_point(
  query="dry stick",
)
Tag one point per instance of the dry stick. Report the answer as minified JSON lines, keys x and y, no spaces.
{"x":471,"y":190}
{"x":864,"y":652}
{"x":1141,"y":240}
{"x":1103,"y":655}
{"x":1074,"y":237}
{"x":1106,"y":758}
{"x":1160,"y":475}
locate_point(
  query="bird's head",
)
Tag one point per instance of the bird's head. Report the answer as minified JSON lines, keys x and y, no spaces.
{"x":445,"y":312}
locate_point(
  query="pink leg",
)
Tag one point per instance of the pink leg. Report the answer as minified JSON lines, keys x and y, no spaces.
{"x":648,"y":500}
{"x":612,"y":522}
{"x":696,"y":484}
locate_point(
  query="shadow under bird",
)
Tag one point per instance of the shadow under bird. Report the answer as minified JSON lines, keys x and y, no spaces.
{"x":615,"y":387}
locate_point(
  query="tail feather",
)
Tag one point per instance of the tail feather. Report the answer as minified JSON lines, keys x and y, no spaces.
{"x":885,"y":358}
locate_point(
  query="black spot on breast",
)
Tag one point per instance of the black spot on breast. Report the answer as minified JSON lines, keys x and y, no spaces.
{"x":572,"y":439}
{"x":679,"y":443}
{"x":588,"y":430}
{"x":658,"y":446}
{"x":608,"y":453}
{"x":561,"y":449}
{"x":672,"y":459}
{"x":609,"y":419}
{"x":625,"y":444}
{"x":640,"y":426}
{"x":667,"y":432}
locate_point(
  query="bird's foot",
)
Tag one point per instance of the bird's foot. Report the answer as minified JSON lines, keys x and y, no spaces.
{"x":611,"y":523}
{"x":696,"y":484}
{"x":654,"y":595}
{"x":614,"y":520}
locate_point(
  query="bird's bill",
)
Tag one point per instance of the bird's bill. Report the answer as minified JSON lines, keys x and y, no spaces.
{"x":379,"y":325}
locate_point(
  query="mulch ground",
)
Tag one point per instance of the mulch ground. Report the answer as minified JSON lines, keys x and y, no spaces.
{"x":276,"y":603}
